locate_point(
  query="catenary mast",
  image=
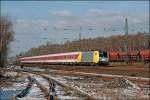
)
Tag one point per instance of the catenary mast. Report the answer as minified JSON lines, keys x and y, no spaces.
{"x":126,"y":39}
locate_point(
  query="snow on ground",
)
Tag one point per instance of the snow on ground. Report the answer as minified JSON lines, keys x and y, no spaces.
{"x":34,"y":94}
{"x":41,"y":80}
{"x":7,"y":92}
{"x":65,"y":94}
{"x":119,"y":88}
{"x":106,"y":90}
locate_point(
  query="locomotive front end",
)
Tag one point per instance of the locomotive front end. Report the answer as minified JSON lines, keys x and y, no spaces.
{"x":103,"y":58}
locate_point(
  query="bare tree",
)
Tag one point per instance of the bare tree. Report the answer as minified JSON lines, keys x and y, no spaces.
{"x":6,"y":36}
{"x":136,"y":42}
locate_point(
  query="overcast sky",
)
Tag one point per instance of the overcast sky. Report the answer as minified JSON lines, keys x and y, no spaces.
{"x":36,"y":22}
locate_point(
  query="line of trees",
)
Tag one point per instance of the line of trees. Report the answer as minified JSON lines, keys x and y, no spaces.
{"x":136,"y":42}
{"x":6,"y":36}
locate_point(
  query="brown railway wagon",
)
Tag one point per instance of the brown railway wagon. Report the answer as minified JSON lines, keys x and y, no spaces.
{"x":114,"y":56}
{"x":134,"y":56}
{"x":143,"y":56}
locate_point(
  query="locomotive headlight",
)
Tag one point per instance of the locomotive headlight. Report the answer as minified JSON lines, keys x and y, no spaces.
{"x":103,"y":59}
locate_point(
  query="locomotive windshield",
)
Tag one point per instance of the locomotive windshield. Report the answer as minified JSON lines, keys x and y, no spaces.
{"x":103,"y":54}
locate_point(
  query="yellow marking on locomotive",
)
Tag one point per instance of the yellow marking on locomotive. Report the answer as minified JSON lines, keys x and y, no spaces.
{"x":79,"y":57}
{"x":96,"y":57}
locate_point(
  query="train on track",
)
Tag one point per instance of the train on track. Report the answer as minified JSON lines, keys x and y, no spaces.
{"x":71,"y":58}
{"x":87,"y":58}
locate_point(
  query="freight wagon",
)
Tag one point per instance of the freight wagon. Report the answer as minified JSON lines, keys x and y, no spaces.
{"x":138,"y":56}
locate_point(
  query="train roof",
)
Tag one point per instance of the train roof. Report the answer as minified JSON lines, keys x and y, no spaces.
{"x":50,"y":55}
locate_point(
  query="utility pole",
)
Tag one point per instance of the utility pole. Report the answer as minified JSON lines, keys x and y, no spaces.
{"x":126,"y":39}
{"x":80,"y":33}
{"x":80,"y":38}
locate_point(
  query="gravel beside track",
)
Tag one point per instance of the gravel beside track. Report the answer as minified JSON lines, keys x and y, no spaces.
{"x":116,"y":89}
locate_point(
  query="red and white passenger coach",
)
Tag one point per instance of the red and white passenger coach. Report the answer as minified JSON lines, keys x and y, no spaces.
{"x":70,"y":57}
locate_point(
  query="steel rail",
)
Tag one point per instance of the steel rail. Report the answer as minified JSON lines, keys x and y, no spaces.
{"x":52,"y":80}
{"x":140,"y":80}
{"x":89,"y":97}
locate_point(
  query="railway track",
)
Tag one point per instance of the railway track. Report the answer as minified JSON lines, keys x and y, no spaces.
{"x":52,"y":82}
{"x":49,"y":93}
{"x":52,"y":79}
{"x":140,"y":80}
{"x":26,"y":91}
{"x":96,"y":87}
{"x":127,"y":70}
